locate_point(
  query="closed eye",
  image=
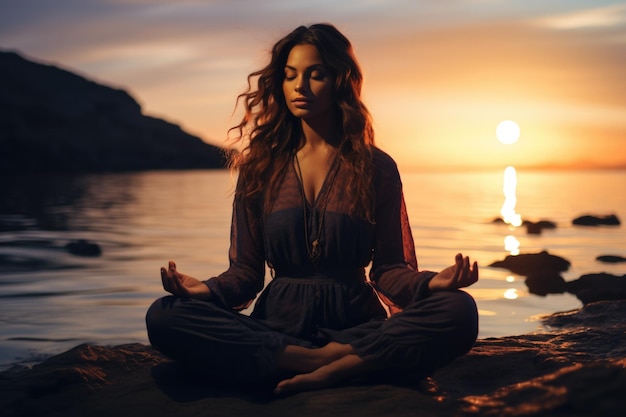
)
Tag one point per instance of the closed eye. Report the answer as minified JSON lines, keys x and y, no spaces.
{"x":318,"y":75}
{"x":316,"y":72}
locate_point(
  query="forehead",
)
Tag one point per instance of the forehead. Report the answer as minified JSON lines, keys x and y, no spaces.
{"x":304,"y":56}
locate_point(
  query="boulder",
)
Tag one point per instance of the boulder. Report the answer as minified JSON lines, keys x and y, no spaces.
{"x":535,"y":228}
{"x":532,"y":263}
{"x":82,"y":247}
{"x":594,"y":220}
{"x":610,"y":258}
{"x":590,"y":288}
{"x":544,"y":283}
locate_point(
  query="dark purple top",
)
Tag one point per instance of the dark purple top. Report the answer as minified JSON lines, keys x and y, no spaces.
{"x":302,"y":297}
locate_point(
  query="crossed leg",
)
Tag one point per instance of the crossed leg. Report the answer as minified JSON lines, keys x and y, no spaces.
{"x":320,"y":368}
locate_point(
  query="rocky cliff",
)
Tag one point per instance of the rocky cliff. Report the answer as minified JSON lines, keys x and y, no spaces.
{"x":52,"y":120}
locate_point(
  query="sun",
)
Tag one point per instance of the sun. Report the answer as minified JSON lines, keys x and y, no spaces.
{"x":507,"y":132}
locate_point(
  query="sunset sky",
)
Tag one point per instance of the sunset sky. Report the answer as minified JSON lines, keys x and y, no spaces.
{"x":439,"y":75}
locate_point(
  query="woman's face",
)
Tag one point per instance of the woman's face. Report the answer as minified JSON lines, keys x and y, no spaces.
{"x":308,"y":84}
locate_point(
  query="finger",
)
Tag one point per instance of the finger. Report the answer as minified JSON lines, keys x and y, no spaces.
{"x":466,"y":269}
{"x":180,"y":288}
{"x":472,"y":275}
{"x":173,"y":285}
{"x":166,"y":280}
{"x":461,"y":272}
{"x":475,"y":272}
{"x":458,"y":267}
{"x":176,"y":277}
{"x":177,"y":281}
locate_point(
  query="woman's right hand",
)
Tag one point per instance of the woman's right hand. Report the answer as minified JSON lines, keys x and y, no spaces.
{"x":461,"y":274}
{"x":183,"y":285}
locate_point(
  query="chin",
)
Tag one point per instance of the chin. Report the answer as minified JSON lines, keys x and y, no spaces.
{"x":301,"y":114}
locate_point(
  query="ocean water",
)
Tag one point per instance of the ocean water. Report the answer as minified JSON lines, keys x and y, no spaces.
{"x":51,"y":300}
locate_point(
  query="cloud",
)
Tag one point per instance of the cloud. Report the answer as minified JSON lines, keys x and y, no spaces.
{"x":599,"y":17}
{"x":426,"y":63}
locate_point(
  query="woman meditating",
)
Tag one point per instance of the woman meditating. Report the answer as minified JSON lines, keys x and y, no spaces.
{"x":317,"y":203}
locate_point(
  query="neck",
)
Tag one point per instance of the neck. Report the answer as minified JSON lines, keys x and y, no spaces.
{"x":321,"y":134}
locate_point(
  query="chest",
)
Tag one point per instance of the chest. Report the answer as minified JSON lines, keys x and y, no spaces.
{"x":313,"y":172}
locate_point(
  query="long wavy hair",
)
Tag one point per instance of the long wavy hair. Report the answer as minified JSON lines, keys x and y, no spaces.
{"x":271,"y":134}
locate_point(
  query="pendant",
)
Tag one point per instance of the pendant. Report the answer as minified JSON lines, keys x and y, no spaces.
{"x":316,"y":252}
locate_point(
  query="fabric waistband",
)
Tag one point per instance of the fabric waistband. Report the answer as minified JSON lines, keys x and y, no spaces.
{"x":348,"y":276}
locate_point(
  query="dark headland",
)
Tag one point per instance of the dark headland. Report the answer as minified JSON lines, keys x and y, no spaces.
{"x":52,"y":120}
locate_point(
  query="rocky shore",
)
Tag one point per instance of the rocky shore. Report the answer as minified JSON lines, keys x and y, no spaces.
{"x":577,"y":367}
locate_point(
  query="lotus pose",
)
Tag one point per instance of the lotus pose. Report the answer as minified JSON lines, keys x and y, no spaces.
{"x":315,"y":204}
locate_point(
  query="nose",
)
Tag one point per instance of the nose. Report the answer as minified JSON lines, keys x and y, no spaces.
{"x":300,"y":84}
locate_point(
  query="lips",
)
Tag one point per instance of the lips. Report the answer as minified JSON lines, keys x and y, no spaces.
{"x":301,"y":103}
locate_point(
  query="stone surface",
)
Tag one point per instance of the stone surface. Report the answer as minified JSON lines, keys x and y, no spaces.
{"x":611,"y":258}
{"x":590,"y":288}
{"x":577,"y":367}
{"x":544,"y":283}
{"x":535,"y":228}
{"x":543,"y":277}
{"x":533,"y":263}
{"x":82,"y":247}
{"x":597,"y":220}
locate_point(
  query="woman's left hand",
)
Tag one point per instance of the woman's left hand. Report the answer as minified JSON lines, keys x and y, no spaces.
{"x":459,"y":275}
{"x":183,"y":285}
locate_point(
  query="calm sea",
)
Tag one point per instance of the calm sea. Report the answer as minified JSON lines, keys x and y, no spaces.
{"x":51,"y":300}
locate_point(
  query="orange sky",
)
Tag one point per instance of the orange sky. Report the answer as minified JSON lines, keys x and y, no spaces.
{"x":439,"y":77}
{"x":445,"y":99}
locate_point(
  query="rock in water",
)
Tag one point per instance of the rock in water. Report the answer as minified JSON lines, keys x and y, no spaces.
{"x":593,"y":220}
{"x":535,"y":228}
{"x":610,"y":258}
{"x":545,"y":283}
{"x":590,"y":288}
{"x":82,"y":247}
{"x":533,"y":263}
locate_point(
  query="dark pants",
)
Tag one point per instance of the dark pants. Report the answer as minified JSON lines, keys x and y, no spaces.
{"x":226,"y":345}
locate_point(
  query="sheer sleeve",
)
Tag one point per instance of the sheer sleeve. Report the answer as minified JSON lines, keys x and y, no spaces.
{"x":394,"y":269}
{"x":240,"y":283}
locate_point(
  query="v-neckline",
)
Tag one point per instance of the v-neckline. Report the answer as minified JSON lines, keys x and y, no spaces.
{"x":322,"y":191}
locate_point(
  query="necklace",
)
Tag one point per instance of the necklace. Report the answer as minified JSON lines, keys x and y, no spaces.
{"x":315,"y":250}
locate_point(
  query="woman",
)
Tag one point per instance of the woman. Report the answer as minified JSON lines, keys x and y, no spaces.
{"x":317,"y":202}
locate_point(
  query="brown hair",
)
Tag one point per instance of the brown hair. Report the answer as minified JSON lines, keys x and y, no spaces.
{"x":272,"y":134}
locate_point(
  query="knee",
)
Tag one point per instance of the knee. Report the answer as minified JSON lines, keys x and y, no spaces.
{"x":157,"y":312}
{"x":462,"y":306}
{"x":463,"y":316}
{"x":159,"y":319}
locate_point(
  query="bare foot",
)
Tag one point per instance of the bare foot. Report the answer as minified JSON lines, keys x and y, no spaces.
{"x":304,"y":382}
{"x":301,"y":359}
{"x":325,"y":376}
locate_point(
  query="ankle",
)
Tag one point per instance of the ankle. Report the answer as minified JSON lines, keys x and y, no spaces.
{"x":335,"y":350}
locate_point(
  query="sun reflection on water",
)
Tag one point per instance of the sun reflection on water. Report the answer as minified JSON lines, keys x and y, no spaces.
{"x":508,"y":208}
{"x":511,"y":294}
{"x":511,"y":245}
{"x":508,"y":133}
